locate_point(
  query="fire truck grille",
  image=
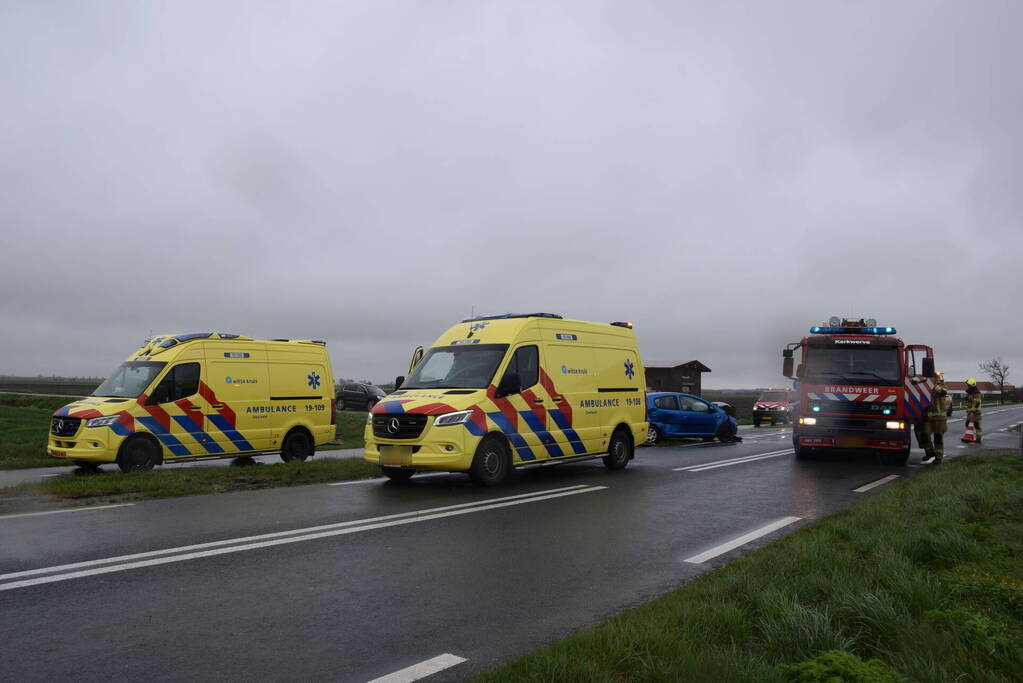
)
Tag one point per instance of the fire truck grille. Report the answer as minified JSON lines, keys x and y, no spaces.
{"x":399,"y":426}
{"x":855,"y":408}
{"x":65,"y":426}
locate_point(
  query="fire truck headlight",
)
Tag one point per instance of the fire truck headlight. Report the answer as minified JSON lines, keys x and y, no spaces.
{"x":895,"y":424}
{"x":808,"y":420}
{"x":461,"y":417}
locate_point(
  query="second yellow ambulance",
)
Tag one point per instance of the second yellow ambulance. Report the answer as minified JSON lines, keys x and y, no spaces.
{"x":499,"y":392}
{"x":206,"y":395}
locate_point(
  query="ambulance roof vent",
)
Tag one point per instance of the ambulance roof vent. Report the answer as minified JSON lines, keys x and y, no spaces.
{"x":513,"y":315}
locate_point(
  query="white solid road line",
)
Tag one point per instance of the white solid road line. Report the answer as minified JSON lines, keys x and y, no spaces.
{"x":731,"y":461}
{"x":276,"y":534}
{"x":58,"y":512}
{"x":340,"y":529}
{"x":741,"y":540}
{"x":422,"y":669}
{"x":882,"y":480}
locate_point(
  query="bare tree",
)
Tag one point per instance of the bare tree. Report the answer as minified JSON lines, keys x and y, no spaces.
{"x":998,"y":371}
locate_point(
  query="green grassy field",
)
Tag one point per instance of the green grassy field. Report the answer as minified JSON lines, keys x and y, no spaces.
{"x":25,"y":423}
{"x":921,"y":582}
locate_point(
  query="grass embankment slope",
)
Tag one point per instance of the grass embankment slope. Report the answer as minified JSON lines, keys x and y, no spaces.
{"x":922,"y":582}
{"x":25,"y":424}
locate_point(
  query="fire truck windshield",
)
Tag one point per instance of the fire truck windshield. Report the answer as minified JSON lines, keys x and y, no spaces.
{"x":851,"y":365}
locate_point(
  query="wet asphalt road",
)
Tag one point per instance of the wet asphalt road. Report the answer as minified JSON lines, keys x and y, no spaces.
{"x":355,"y":581}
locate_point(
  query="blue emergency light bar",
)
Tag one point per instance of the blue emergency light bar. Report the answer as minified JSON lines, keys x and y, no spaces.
{"x":852,"y":330}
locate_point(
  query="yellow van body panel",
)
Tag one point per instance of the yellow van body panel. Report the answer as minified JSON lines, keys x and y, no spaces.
{"x":590,"y":382}
{"x":250,"y":394}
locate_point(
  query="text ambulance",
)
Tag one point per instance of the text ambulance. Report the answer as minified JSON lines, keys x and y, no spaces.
{"x":494,"y":393}
{"x":207,"y":395}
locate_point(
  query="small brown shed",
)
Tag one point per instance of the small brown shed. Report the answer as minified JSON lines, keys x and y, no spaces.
{"x":684,"y":376}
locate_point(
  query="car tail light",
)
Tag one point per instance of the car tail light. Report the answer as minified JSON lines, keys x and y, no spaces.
{"x":333,"y":411}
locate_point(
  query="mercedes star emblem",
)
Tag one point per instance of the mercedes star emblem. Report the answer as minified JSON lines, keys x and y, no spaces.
{"x":392,"y":426}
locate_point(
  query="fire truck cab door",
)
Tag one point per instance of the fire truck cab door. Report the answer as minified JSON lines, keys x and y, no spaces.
{"x":915,"y":353}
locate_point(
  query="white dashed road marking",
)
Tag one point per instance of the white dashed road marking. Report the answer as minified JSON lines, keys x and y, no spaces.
{"x":732,"y":461}
{"x":58,"y":512}
{"x":741,"y":540}
{"x":422,"y":669}
{"x":879,"y":482}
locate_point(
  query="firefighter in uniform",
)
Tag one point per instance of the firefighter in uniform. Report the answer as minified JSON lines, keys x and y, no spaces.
{"x":974,"y":403}
{"x":935,"y":423}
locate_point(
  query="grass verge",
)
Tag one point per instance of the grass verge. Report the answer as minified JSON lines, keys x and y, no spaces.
{"x":105,"y":487}
{"x":24,"y":425}
{"x":922,"y":582}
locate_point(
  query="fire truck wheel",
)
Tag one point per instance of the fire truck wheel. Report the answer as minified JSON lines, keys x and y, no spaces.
{"x":619,"y":450}
{"x":397,"y":473}
{"x":898,"y":457}
{"x":138,"y":453}
{"x":296,"y":446}
{"x":492,"y":461}
{"x":653,"y":435}
{"x":756,"y":422}
{"x":802,"y":453}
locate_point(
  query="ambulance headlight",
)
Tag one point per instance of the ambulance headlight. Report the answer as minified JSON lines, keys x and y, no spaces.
{"x":895,"y":424}
{"x":103,"y":421}
{"x":369,"y":418}
{"x":461,"y":417}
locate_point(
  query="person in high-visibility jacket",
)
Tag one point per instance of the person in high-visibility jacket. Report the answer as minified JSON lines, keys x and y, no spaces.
{"x":974,"y":404}
{"x":935,"y":423}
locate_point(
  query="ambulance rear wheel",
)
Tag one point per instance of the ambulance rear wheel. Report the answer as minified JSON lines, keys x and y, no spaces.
{"x":491,"y":463}
{"x":619,"y":451}
{"x":138,"y":453}
{"x":297,"y":446}
{"x":397,"y":473}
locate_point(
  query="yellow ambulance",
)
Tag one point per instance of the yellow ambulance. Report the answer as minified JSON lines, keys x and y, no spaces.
{"x":206,"y":395}
{"x":498,"y":392}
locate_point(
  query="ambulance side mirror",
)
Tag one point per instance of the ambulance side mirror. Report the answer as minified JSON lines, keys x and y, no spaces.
{"x":928,"y":366}
{"x":510,"y":384}
{"x":398,"y":381}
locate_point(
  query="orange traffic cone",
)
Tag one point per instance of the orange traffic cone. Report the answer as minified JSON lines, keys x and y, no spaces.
{"x":971,"y":433}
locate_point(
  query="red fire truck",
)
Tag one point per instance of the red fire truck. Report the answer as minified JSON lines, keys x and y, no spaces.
{"x":860,"y":389}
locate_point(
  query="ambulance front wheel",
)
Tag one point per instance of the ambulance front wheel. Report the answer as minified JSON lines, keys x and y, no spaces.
{"x":619,"y":451}
{"x":491,"y":463}
{"x":138,"y":453}
{"x":297,"y":446}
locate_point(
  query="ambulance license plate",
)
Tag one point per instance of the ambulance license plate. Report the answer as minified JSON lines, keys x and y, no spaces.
{"x":57,"y":454}
{"x":854,"y":441}
{"x":395,"y":456}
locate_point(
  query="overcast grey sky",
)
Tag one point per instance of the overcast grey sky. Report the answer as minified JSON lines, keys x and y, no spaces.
{"x":369,"y":172}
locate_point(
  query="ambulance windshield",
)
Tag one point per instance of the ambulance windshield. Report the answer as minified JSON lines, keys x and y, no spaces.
{"x":457,"y":367}
{"x":852,"y":365}
{"x":129,"y":380}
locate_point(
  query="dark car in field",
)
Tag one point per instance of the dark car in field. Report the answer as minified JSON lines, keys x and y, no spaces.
{"x":358,"y":396}
{"x":673,"y":415}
